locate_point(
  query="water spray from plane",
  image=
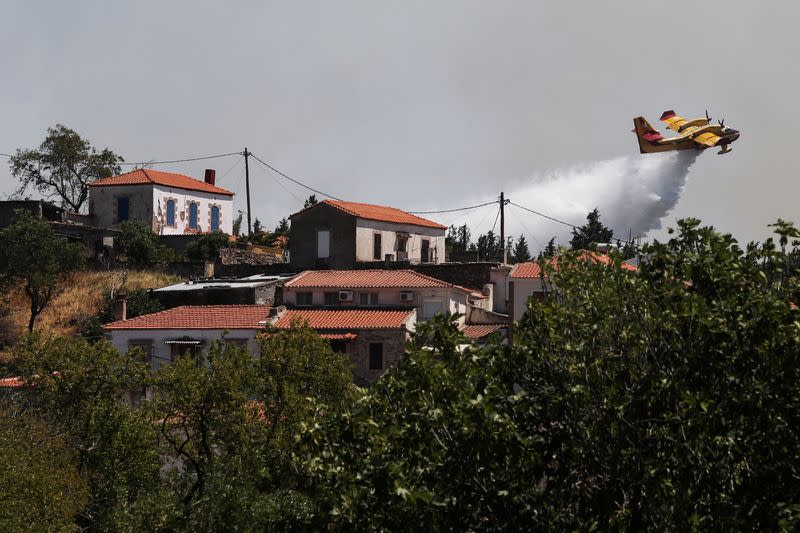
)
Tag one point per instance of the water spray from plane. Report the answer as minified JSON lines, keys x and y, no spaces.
{"x":632,"y":193}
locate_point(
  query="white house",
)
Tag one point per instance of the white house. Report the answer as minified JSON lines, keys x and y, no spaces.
{"x":171,"y":204}
{"x":378,"y":288}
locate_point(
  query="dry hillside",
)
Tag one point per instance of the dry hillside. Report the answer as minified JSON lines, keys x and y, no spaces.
{"x":79,"y":298}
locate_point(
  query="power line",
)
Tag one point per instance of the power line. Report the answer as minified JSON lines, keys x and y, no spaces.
{"x":495,"y":220}
{"x":292,"y":179}
{"x":452,"y":210}
{"x":147,"y":163}
{"x":573,"y":226}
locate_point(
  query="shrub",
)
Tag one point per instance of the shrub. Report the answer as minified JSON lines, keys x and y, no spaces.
{"x":207,"y":247}
{"x":137,"y":243}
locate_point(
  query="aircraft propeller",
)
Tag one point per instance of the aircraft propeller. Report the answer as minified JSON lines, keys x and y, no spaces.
{"x":721,"y":123}
{"x":707,"y":117}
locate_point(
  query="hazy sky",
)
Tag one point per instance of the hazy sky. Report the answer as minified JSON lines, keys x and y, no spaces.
{"x":418,"y":105}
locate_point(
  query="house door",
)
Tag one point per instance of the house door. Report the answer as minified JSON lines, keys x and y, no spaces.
{"x":426,"y":251}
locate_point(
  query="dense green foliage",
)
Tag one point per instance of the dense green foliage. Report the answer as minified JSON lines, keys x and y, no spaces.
{"x":137,"y":244}
{"x":662,"y":399}
{"x":591,"y":233}
{"x":33,"y":256}
{"x":139,"y":302}
{"x":207,"y":246}
{"x":520,"y":253}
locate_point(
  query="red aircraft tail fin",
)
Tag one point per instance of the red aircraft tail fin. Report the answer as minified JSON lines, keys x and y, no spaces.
{"x":647,"y":135}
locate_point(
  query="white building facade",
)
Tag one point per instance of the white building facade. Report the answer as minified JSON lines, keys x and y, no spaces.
{"x":170,"y":204}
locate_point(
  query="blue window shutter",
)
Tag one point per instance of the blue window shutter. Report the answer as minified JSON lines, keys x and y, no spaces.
{"x":171,"y":212}
{"x":122,"y":209}
{"x":214,"y":218}
{"x":192,"y":215}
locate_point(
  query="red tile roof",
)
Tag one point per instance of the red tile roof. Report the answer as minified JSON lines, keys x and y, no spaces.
{"x":12,"y":383}
{"x":199,"y":317}
{"x":479,"y":331}
{"x":157,"y":177}
{"x":378,"y":212}
{"x":532,"y":269}
{"x":364,"y":279}
{"x":347,"y":319}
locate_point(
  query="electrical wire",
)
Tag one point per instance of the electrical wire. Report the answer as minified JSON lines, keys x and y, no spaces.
{"x":232,"y":167}
{"x":148,"y":163}
{"x":495,"y":218}
{"x":282,"y":186}
{"x":292,"y":179}
{"x":530,"y":233}
{"x":573,"y":226}
{"x":452,"y":210}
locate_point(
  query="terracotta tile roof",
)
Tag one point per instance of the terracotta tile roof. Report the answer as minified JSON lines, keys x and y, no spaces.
{"x":479,"y":331}
{"x":378,"y":212}
{"x":532,"y":269}
{"x":347,"y":319}
{"x":157,"y":177}
{"x":199,"y":317}
{"x":12,"y":383}
{"x":366,"y":279}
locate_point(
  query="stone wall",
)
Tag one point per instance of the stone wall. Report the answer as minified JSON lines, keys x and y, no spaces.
{"x":394,"y":346}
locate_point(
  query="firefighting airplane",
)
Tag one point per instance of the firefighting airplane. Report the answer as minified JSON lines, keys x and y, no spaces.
{"x":697,"y":134}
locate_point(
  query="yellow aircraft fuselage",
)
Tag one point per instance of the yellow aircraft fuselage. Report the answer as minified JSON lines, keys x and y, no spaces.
{"x":696,"y":134}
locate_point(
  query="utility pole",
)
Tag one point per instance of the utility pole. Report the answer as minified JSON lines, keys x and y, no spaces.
{"x":247,"y":185}
{"x":503,"y":226}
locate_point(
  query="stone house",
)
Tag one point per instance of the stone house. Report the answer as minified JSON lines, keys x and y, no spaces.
{"x":169,"y":203}
{"x":337,"y":234}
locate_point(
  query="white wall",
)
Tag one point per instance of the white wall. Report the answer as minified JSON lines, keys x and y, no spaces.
{"x":182,"y":199}
{"x":365,"y":229}
{"x":148,"y":203}
{"x":523,"y":289}
{"x":121,"y":338}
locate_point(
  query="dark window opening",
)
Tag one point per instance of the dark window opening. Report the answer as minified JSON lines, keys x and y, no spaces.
{"x":339,"y":346}
{"x":426,"y":251}
{"x":331,"y":298}
{"x":305,"y":298}
{"x":376,"y":356}
{"x":377,"y":248}
{"x":368,"y":298}
{"x":184,"y":350}
{"x":123,"y":205}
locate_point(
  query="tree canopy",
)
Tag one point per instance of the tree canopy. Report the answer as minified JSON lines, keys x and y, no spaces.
{"x":592,"y":232}
{"x":34,"y":256}
{"x":63,"y":166}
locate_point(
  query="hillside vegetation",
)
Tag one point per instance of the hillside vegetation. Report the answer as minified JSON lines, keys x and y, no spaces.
{"x":80,"y":298}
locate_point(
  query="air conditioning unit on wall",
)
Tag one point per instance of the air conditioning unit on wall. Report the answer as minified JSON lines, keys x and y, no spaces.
{"x":345,"y":296}
{"x":406,"y":296}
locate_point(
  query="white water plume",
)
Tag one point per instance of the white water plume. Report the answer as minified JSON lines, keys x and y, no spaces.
{"x":632,"y":193}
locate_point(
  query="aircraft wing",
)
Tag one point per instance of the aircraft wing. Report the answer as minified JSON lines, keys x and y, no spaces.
{"x":672,"y":120}
{"x":706,"y":139}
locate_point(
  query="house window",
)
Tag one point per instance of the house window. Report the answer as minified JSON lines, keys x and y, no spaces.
{"x":214,"y":218}
{"x":431,"y":308}
{"x":123,"y":204}
{"x":323,"y":244}
{"x":193,"y":215}
{"x":376,"y":356}
{"x":368,"y":298}
{"x":377,"y":249}
{"x":331,"y":298}
{"x":170,"y":212}
{"x":304,"y":298}
{"x":146,"y":346}
{"x":426,"y":251}
{"x":181,"y":349}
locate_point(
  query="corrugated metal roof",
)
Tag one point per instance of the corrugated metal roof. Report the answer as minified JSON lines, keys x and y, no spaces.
{"x":346,"y":319}
{"x":157,"y":177}
{"x":378,"y":212}
{"x":199,"y":317}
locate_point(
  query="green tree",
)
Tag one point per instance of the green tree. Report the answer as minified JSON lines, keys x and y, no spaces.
{"x":282,"y":228}
{"x":63,"y":166}
{"x":207,"y":246}
{"x":41,"y":488}
{"x":80,"y":390}
{"x":665,"y":398}
{"x":590,"y":233}
{"x":257,"y":226}
{"x":35,"y":257}
{"x":311,"y":200}
{"x":137,"y":243}
{"x":521,"y":252}
{"x":488,"y":246}
{"x":551,"y":250}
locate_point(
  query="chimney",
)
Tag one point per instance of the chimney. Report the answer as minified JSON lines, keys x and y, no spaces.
{"x":120,"y":307}
{"x":211,"y":176}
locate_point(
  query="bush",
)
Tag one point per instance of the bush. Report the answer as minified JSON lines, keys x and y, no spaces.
{"x":140,"y":302}
{"x":137,"y":243}
{"x":207,"y":247}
